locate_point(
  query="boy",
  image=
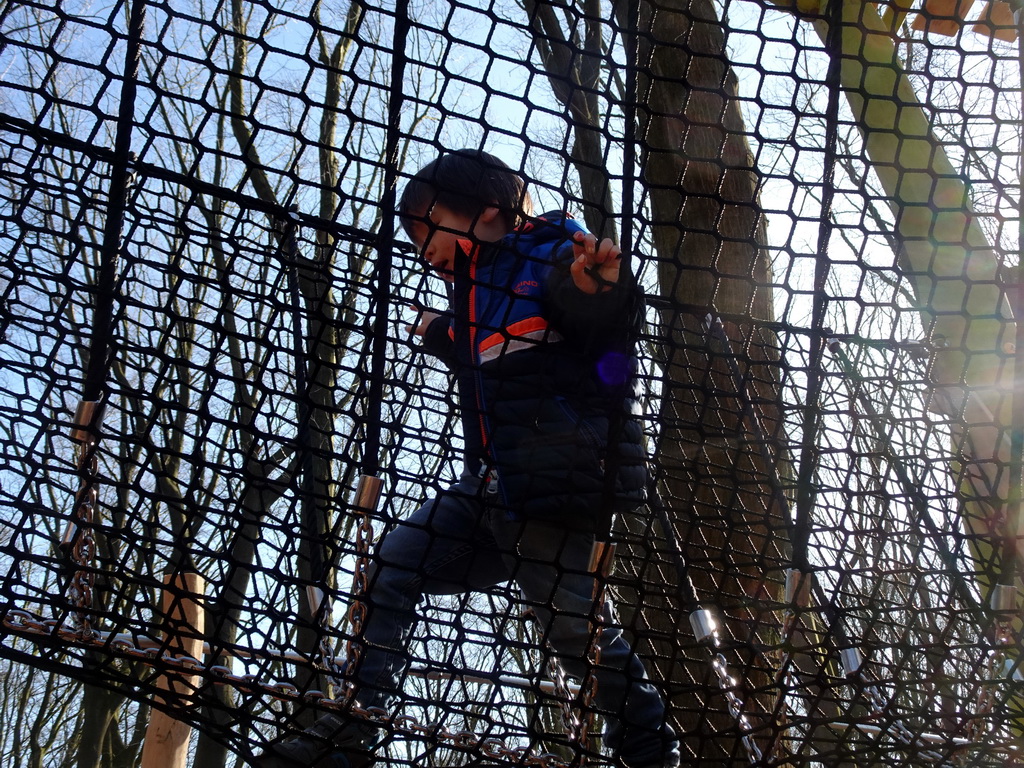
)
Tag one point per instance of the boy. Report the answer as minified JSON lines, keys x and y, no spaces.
{"x":538,"y":335}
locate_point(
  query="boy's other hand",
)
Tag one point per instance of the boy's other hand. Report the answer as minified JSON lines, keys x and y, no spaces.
{"x":424,"y":317}
{"x":596,"y":266}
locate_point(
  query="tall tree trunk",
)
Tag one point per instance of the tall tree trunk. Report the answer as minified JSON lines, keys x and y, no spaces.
{"x":708,"y":232}
{"x":99,"y":706}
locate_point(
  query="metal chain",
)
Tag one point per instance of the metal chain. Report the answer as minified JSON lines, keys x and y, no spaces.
{"x":1004,"y":600}
{"x":590,"y":690}
{"x":357,"y":609}
{"x":571,"y":722}
{"x":993,"y":673}
{"x":563,"y":693}
{"x":601,"y":560}
{"x":705,"y":630}
{"x":79,"y":539}
{"x":878,"y":708}
{"x":798,"y":586}
{"x":797,"y":597}
{"x":853,"y":665}
{"x":896,"y":728}
{"x":728,"y":685}
{"x":322,"y":608}
{"x":83,"y":554}
{"x":366,"y":502}
{"x":25,"y":623}
{"x":578,"y":724}
{"x":784,"y":681}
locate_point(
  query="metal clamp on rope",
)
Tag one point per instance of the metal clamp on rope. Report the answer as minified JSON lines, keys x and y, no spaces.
{"x":67,"y":540}
{"x":315,"y":597}
{"x":368,"y":493}
{"x":1004,"y":598}
{"x":798,"y":587}
{"x":602,"y":557}
{"x":852,"y":661}
{"x":704,"y":625}
{"x":87,"y":416}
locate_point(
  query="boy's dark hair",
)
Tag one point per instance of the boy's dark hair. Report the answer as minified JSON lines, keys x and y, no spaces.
{"x":466,"y":181}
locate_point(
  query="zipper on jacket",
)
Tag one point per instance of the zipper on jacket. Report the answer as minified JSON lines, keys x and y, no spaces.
{"x":583,"y":427}
{"x":475,"y":358}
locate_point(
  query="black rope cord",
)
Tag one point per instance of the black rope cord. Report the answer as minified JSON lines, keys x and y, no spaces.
{"x":805,"y":483}
{"x":632,"y":141}
{"x":305,"y":357}
{"x":94,"y":386}
{"x":81,"y":542}
{"x":385,"y":243}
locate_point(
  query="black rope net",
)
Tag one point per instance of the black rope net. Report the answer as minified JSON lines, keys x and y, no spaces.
{"x":207,"y":369}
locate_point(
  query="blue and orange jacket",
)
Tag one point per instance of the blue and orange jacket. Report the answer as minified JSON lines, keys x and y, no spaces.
{"x":545,"y":374}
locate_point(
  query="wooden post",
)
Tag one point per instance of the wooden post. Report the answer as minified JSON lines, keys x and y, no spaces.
{"x":942,"y":17}
{"x":166,"y":742}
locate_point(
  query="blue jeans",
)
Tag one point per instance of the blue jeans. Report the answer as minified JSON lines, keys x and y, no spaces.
{"x":458,"y":543}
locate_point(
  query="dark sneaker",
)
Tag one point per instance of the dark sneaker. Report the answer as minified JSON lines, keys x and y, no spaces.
{"x":329,"y":743}
{"x":670,"y":759}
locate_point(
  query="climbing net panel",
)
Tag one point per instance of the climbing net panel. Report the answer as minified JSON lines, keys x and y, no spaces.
{"x":211,"y":406}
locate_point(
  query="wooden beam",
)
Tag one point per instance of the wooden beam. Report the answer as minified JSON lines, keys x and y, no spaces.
{"x":942,"y":17}
{"x":996,"y":20}
{"x":167,"y":739}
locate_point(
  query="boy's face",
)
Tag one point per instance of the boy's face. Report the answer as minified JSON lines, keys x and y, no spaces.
{"x":438,"y":232}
